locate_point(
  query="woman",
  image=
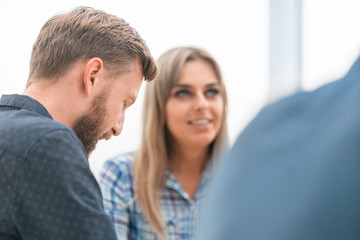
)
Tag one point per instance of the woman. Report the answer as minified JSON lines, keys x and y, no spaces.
{"x":156,"y":192}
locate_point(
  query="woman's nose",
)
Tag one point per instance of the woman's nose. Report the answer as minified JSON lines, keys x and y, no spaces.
{"x":201,"y":102}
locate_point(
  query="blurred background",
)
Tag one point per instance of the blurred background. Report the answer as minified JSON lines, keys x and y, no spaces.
{"x":267,"y":49}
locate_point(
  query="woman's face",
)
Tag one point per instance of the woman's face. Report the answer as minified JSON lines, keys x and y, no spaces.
{"x":194,"y":109}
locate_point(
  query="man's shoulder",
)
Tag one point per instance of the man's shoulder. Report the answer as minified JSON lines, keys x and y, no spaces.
{"x":20,"y":130}
{"x":310,"y":116}
{"x":317,"y":106}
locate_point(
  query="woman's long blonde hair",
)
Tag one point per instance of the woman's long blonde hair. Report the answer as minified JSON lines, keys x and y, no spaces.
{"x":151,"y":160}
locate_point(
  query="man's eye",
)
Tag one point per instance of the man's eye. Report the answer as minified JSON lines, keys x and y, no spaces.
{"x":182,"y":93}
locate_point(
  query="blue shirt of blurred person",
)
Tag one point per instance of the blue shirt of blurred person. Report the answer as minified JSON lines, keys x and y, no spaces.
{"x":294,"y":172}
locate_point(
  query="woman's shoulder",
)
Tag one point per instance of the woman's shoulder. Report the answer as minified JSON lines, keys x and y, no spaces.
{"x":123,"y":160}
{"x":118,"y":171}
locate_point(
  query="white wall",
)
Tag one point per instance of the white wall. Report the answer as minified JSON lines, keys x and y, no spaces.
{"x":235,"y":32}
{"x":331,"y":40}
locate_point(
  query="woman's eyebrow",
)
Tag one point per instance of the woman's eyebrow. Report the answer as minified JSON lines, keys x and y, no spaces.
{"x":182,"y":85}
{"x":189,"y":86}
{"x":213,"y":84}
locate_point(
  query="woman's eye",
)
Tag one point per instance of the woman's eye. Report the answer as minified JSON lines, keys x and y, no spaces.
{"x":212,"y":92}
{"x":182,"y":93}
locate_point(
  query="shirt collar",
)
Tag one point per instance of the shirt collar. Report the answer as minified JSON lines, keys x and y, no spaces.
{"x":172,"y":183}
{"x":24,"y":102}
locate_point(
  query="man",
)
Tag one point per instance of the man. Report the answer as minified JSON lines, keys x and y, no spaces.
{"x":86,"y":69}
{"x":294,"y":172}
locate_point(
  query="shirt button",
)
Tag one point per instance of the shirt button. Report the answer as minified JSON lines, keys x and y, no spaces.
{"x":192,"y":208}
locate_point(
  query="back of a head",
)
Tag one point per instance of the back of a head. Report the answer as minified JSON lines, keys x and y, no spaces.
{"x":85,"y":33}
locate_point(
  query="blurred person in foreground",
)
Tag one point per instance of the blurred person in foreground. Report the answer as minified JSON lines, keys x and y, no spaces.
{"x":86,"y":69}
{"x":294,"y":172}
{"x":156,"y":192}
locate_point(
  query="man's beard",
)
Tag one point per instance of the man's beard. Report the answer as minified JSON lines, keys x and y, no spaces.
{"x":89,"y":126}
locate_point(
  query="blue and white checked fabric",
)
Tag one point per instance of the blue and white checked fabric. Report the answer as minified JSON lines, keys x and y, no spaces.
{"x":180,"y":213}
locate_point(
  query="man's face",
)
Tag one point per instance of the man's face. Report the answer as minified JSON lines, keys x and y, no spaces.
{"x":107,"y":114}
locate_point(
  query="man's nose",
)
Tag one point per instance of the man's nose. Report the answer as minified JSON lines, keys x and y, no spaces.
{"x":116,"y":130}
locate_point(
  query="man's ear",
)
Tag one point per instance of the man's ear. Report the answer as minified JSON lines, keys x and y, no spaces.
{"x":91,"y":74}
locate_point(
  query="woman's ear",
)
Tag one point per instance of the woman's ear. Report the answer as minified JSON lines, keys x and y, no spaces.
{"x":91,"y":73}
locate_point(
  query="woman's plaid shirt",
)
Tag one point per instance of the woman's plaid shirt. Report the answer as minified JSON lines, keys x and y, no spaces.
{"x":180,"y":213}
